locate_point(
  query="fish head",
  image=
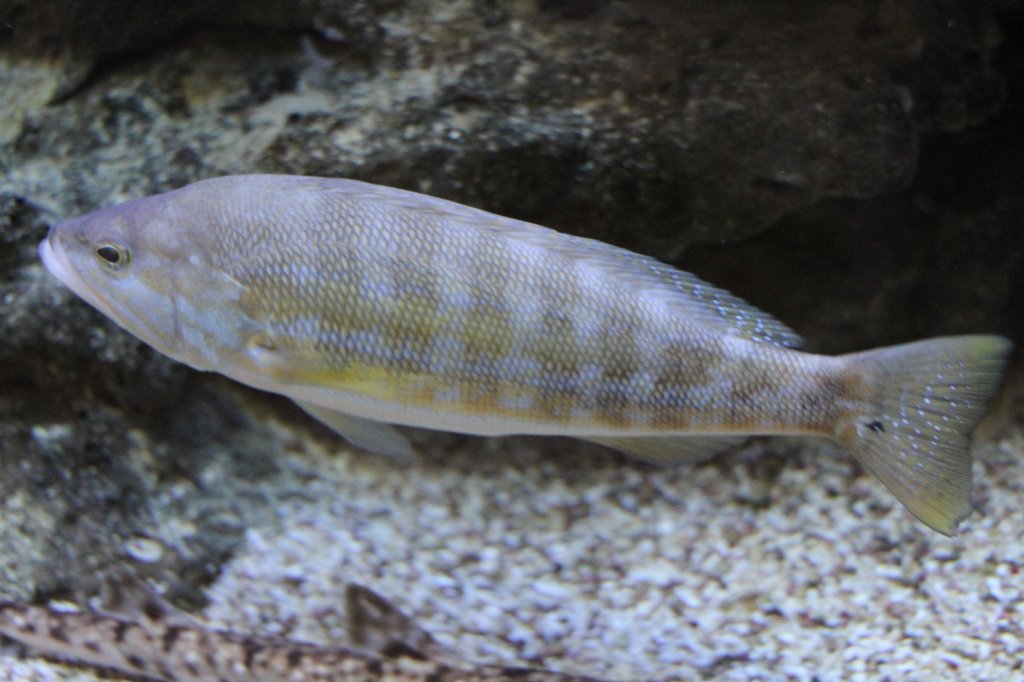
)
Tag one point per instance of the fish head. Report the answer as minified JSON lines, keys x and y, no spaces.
{"x":148,"y":265}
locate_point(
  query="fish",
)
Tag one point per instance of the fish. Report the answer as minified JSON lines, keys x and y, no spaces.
{"x":371,"y":307}
{"x":137,"y":632}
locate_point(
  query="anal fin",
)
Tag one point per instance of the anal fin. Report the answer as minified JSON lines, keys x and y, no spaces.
{"x":670,"y":450}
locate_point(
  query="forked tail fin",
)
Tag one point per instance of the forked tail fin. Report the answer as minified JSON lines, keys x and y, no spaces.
{"x":919,"y":404}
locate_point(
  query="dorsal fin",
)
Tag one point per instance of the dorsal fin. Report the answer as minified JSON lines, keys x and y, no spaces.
{"x":713,"y":305}
{"x":127,"y":597}
{"x":377,"y":626}
{"x":690,"y":295}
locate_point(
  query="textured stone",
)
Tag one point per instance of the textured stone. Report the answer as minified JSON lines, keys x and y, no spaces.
{"x":651,"y":124}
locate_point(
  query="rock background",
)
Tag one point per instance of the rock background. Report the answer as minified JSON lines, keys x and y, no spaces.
{"x":855,"y":168}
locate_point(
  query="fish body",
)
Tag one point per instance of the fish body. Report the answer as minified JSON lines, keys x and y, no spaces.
{"x":372,"y":306}
{"x":160,"y":643}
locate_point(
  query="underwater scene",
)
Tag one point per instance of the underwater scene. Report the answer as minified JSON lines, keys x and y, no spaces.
{"x":614,"y":341}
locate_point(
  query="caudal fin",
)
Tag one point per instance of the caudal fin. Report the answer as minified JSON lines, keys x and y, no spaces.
{"x":920,"y":404}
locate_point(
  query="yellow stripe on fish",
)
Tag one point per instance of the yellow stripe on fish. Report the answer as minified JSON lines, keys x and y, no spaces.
{"x":372,"y":306}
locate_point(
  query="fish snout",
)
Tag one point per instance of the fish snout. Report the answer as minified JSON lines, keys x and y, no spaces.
{"x":55,"y":258}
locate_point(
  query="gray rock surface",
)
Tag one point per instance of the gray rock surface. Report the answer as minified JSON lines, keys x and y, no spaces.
{"x":854,"y":168}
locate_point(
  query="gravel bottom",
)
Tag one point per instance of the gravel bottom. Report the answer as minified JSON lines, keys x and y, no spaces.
{"x":782,"y":561}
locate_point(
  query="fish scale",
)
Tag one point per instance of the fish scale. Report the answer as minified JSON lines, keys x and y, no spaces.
{"x":372,"y":306}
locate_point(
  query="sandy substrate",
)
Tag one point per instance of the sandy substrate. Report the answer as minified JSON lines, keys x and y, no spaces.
{"x":778,"y":562}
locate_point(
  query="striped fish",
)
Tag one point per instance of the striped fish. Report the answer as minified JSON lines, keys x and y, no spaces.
{"x":372,"y":306}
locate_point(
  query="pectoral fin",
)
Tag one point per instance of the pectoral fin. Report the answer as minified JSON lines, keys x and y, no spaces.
{"x":670,"y":450}
{"x":367,"y":434}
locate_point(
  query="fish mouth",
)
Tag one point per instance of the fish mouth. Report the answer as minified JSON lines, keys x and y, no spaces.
{"x":56,"y":260}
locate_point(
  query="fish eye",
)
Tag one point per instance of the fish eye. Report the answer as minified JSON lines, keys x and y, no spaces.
{"x":113,"y":257}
